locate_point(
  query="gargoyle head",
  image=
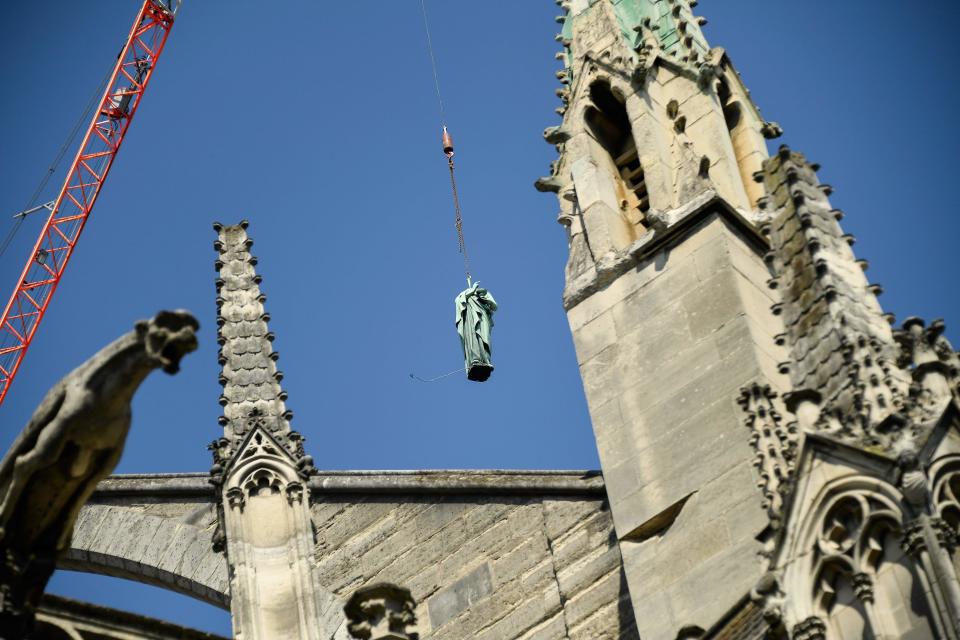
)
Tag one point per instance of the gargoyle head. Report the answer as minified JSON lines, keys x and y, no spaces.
{"x":167,"y":337}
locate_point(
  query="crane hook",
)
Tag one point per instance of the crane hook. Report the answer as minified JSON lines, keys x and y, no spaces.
{"x":447,"y":141}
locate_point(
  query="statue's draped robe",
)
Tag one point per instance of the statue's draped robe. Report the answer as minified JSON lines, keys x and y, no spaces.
{"x":474,"y":308}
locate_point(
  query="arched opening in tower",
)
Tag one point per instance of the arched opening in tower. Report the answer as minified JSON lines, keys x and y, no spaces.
{"x":731,"y":108}
{"x":609,"y":124}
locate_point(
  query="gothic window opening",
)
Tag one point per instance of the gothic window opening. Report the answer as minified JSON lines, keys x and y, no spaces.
{"x":607,"y":120}
{"x":863,"y":584}
{"x":947,"y":497}
{"x":262,"y":483}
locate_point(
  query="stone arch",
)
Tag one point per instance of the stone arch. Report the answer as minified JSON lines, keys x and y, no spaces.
{"x":827,"y":537}
{"x":124,"y":542}
{"x":608,"y":123}
{"x":945,"y":484}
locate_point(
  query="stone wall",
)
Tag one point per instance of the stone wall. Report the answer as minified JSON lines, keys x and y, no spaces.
{"x":487,"y":555}
{"x":663,"y":350}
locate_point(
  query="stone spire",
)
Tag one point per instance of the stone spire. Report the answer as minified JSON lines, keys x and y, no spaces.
{"x":252,"y":395}
{"x":843,"y":357}
{"x":260,"y":470}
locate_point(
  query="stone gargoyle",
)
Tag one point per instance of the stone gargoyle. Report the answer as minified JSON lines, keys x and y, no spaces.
{"x":73,"y":440}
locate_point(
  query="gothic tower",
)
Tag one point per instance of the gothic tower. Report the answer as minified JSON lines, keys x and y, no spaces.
{"x":704,"y":273}
{"x":667,"y":295}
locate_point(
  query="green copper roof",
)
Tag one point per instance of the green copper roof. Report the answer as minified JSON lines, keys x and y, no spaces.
{"x":666,"y":25}
{"x":670,"y":20}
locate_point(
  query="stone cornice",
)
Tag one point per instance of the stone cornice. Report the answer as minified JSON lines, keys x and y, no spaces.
{"x":674,"y":225}
{"x":462,"y":482}
{"x":166,"y":486}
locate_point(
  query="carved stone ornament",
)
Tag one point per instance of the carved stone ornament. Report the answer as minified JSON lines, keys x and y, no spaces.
{"x":381,"y":611}
{"x":775,"y":446}
{"x":235,"y":497}
{"x":862,"y":586}
{"x":771,"y":130}
{"x":768,"y":595}
{"x":813,"y":628}
{"x":913,"y":542}
{"x":295,"y":493}
{"x":73,"y":440}
{"x":946,"y":534}
{"x":934,"y":365}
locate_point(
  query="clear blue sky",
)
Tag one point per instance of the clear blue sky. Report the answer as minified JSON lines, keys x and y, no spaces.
{"x":317,"y":121}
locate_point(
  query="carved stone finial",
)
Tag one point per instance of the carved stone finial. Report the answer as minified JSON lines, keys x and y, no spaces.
{"x":930,"y":358}
{"x":381,"y":611}
{"x":552,"y":184}
{"x":917,"y":341}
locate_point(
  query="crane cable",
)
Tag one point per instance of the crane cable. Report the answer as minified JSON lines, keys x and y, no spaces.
{"x":67,"y":144}
{"x":447,"y":141}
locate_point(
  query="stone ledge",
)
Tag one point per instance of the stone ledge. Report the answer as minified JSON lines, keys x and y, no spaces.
{"x":438,"y":481}
{"x":674,"y":225}
{"x":180,"y":485}
{"x":481,"y":481}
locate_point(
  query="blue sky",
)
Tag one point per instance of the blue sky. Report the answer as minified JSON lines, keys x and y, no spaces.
{"x":317,"y":121}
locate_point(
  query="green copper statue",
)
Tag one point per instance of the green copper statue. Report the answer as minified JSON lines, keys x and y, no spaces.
{"x":475,"y":307}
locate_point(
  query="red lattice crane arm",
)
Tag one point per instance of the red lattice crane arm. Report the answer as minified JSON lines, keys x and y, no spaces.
{"x":58,"y":238}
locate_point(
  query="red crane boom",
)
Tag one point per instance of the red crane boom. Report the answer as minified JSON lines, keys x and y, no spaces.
{"x":59,"y":235}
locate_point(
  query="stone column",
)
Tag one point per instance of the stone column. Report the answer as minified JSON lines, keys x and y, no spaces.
{"x":927,"y":541}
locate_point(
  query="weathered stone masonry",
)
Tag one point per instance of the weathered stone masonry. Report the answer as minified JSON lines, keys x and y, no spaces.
{"x":486,"y":554}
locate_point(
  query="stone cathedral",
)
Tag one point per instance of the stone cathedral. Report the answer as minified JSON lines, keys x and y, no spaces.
{"x":779,"y":459}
